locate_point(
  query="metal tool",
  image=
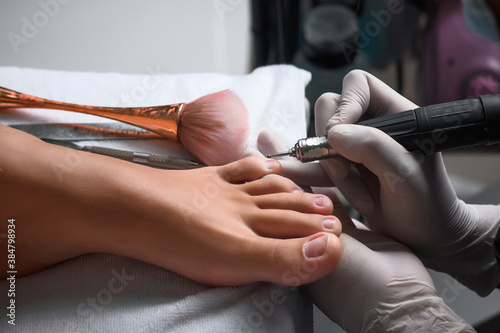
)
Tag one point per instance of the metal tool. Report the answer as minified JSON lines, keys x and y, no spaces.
{"x":87,"y":132}
{"x":427,"y":129}
{"x":153,"y":160}
{"x":310,"y":149}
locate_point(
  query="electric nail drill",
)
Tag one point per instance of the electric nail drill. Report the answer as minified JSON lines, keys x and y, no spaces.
{"x":427,"y":129}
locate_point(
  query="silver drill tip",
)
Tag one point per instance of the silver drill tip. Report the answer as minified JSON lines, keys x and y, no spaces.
{"x":285,"y":153}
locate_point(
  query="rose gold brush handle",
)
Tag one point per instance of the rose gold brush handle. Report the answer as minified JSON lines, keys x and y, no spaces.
{"x":162,"y":119}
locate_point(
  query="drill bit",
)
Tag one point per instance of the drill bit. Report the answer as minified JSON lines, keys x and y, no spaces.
{"x":427,"y":130}
{"x":285,"y":153}
{"x":310,"y":149}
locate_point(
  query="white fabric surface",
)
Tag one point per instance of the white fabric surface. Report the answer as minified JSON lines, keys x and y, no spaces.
{"x":108,"y":293}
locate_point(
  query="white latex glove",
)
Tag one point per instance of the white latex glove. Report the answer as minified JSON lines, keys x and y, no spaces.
{"x":405,"y":195}
{"x":381,"y":286}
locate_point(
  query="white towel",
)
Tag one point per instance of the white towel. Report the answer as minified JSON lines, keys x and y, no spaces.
{"x":108,"y":293}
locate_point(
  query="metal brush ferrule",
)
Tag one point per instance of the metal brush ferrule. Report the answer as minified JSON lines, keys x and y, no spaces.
{"x":312,"y":149}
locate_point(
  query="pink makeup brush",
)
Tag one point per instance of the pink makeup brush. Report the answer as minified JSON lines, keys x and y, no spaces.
{"x":214,"y":128}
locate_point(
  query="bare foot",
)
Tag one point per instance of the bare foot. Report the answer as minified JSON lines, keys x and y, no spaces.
{"x":226,"y":225}
{"x":229,"y":226}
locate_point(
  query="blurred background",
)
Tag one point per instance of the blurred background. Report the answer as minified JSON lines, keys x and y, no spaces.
{"x":429,"y":51}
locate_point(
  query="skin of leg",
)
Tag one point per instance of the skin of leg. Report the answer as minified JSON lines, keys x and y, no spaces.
{"x":222,"y":225}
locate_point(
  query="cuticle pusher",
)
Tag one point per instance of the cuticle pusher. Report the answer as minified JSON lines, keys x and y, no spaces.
{"x":149,"y":159}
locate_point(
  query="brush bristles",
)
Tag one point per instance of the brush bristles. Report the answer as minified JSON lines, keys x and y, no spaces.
{"x":214,"y":128}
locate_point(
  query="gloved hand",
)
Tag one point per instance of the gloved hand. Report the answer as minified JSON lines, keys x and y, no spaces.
{"x":381,"y":286}
{"x":405,"y":195}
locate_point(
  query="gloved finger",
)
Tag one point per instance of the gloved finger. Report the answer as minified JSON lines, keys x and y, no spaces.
{"x":338,"y":207}
{"x":336,"y":294}
{"x":336,"y":168}
{"x":269,"y":142}
{"x":398,"y":252}
{"x":339,"y":169}
{"x":309,"y":174}
{"x":351,"y":183}
{"x":325,"y":107}
{"x":373,"y":240}
{"x":365,"y":96}
{"x":252,"y":152}
{"x":383,"y":156}
{"x":357,"y":192}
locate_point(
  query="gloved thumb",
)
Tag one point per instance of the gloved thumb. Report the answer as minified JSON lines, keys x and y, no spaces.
{"x":364,"y":95}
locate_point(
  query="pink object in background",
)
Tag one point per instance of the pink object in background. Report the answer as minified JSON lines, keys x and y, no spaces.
{"x":456,"y":61}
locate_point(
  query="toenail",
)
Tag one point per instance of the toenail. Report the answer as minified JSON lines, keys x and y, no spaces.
{"x":272,"y":165}
{"x":315,"y":247}
{"x":319,"y":201}
{"x":329,"y":224}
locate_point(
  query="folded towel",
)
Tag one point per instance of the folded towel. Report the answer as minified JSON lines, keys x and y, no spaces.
{"x":109,"y":293}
